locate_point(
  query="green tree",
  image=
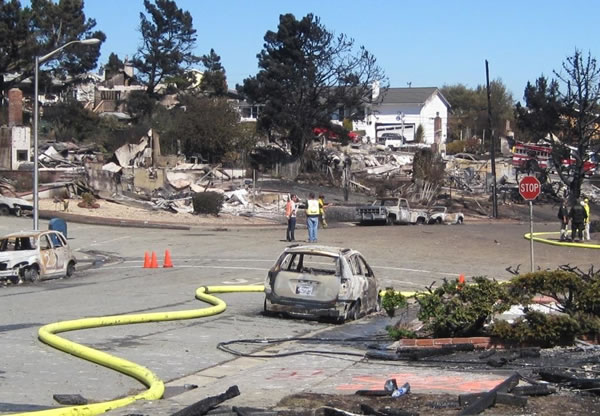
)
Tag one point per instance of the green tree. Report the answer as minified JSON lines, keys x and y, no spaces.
{"x":42,"y":28}
{"x":208,"y":126}
{"x":307,"y":74}
{"x":16,"y":42}
{"x":214,"y":82}
{"x":419,"y":134}
{"x":69,"y":121}
{"x":113,"y":66}
{"x":469,"y":109}
{"x":565,"y":113}
{"x":168,"y":41}
{"x":140,"y":105}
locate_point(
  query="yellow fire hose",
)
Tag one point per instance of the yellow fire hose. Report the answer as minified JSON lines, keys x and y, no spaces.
{"x":156,"y":388}
{"x":537,"y":237}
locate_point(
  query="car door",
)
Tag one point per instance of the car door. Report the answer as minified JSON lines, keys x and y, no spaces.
{"x":403,"y":211}
{"x":59,"y":246}
{"x":48,"y":258}
{"x":372,"y":286}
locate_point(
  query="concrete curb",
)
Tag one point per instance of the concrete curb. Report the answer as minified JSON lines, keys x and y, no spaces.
{"x":83,"y":219}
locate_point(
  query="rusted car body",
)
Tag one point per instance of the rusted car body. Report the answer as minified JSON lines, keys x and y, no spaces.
{"x":440,"y":215}
{"x":321,"y":282}
{"x":33,"y":255}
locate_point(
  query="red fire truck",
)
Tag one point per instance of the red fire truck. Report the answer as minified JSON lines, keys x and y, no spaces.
{"x":530,"y":157}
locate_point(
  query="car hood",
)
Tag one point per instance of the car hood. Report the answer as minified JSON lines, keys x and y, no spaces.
{"x":16,"y":256}
{"x":14,"y":201}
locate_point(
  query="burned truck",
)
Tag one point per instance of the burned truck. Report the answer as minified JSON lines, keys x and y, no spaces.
{"x":390,"y":211}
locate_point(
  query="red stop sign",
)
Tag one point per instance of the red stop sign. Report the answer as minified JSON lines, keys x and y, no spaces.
{"x":529,"y":187}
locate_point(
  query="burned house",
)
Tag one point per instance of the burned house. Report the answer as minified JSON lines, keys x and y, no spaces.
{"x":15,"y":139}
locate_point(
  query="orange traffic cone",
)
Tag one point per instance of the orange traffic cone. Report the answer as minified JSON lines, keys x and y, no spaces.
{"x":147,"y":264}
{"x":168,"y":262}
{"x":154,"y":261}
{"x":461,"y":279}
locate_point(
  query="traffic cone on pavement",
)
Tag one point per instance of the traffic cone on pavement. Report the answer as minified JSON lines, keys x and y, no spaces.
{"x":168,"y":262}
{"x":461,"y":279}
{"x":147,"y":263}
{"x":154,"y":261}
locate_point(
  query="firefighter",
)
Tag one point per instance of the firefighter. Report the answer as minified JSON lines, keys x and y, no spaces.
{"x":586,"y":225}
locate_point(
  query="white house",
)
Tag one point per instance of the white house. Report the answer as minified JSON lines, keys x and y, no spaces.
{"x":402,"y":110}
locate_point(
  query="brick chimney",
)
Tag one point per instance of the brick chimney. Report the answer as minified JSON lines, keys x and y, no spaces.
{"x":15,"y":107}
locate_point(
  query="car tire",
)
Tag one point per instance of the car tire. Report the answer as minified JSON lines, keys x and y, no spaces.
{"x":32,"y":274}
{"x":18,"y":212}
{"x":266,"y":311}
{"x":438,"y":221}
{"x":4,"y":210}
{"x":354,"y":312}
{"x":459,"y":221}
{"x":389,"y":220}
{"x":420,"y":221}
{"x":70,"y":269}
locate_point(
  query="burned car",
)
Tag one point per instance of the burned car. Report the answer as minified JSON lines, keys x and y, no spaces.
{"x":14,"y":205}
{"x":321,"y":282}
{"x":33,"y":255}
{"x":440,"y":215}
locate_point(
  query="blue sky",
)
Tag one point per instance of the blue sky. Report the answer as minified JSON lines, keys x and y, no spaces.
{"x":431,"y":43}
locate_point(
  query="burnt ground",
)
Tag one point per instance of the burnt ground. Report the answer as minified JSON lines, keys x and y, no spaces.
{"x":439,"y":404}
{"x":533,"y":365}
{"x":545,"y":209}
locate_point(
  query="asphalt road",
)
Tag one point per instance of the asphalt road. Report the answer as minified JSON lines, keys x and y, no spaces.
{"x":405,"y":257}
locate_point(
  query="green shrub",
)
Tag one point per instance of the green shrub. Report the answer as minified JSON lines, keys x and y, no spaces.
{"x":457,"y":146}
{"x":207,"y":203}
{"x":392,"y":300}
{"x":397,"y":332}
{"x":577,"y":295}
{"x":537,"y":328}
{"x":455,"y":309}
{"x":573,"y":292}
{"x":88,"y":200}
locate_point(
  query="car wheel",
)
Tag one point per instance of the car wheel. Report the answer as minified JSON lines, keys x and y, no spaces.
{"x":420,"y":221}
{"x":4,"y":210}
{"x":389,"y":220}
{"x":266,"y":311}
{"x":70,"y":269}
{"x":438,"y":221}
{"x":18,"y":211}
{"x":32,"y":274}
{"x":354,"y":312}
{"x":459,"y":221}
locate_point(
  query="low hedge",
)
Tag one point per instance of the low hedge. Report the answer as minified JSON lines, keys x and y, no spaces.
{"x":207,"y":203}
{"x":459,"y":310}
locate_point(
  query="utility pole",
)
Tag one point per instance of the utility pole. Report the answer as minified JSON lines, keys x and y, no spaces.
{"x":492,"y":144}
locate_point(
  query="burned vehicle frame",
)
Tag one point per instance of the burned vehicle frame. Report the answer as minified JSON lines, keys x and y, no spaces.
{"x":321,"y":282}
{"x":33,"y":255}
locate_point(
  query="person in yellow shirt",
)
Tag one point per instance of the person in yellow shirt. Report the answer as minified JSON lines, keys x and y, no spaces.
{"x":312,"y":217}
{"x":586,"y":224}
{"x":322,"y":206}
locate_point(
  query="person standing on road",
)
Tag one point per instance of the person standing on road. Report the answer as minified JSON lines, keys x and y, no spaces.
{"x":563,"y":216}
{"x":312,"y":217}
{"x":578,"y":217}
{"x":290,"y":212}
{"x":322,"y":206}
{"x":586,"y":225}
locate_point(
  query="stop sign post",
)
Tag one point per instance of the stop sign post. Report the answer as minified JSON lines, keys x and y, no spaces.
{"x":529,"y":188}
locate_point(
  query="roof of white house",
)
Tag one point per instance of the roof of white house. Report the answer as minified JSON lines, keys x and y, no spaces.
{"x":417,"y":95}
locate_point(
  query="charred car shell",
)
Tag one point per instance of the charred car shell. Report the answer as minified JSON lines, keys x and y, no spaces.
{"x":33,"y":255}
{"x":321,"y":282}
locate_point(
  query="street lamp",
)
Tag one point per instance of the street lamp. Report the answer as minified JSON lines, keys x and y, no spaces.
{"x":39,"y":60}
